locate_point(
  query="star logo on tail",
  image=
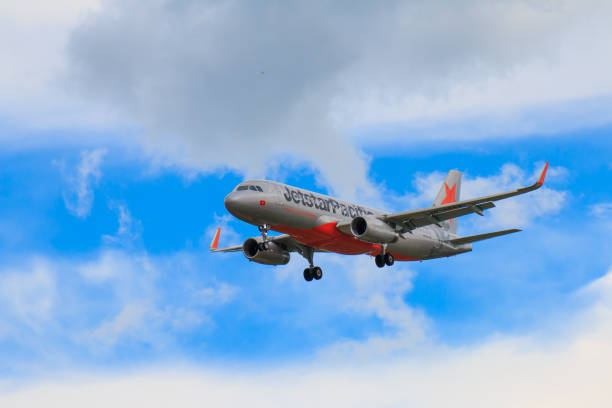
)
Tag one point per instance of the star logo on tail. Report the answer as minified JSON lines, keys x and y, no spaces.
{"x":450,"y":194}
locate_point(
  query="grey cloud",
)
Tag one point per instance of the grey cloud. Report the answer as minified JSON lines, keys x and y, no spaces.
{"x":220,"y":84}
{"x":240,"y":85}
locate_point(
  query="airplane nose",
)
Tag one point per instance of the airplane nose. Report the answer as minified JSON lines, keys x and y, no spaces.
{"x":236,"y":203}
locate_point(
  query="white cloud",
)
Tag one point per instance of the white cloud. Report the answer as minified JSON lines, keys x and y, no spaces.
{"x":129,"y":229}
{"x":566,"y":370}
{"x":79,"y":196}
{"x":130,"y":321}
{"x":601,"y":210}
{"x":28,"y":294}
{"x":137,"y":308}
{"x":519,"y":68}
{"x":371,"y":292}
{"x":32,"y":61}
{"x":222,"y":294}
{"x":52,"y":308}
{"x":115,"y":264}
{"x":355,"y":288}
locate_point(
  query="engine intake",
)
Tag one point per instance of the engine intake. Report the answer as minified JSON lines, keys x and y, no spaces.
{"x":373,"y":230}
{"x":274,"y":255}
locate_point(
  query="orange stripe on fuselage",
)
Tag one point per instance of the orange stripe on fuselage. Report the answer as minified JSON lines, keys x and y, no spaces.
{"x":328,"y":237}
{"x":291,"y":210}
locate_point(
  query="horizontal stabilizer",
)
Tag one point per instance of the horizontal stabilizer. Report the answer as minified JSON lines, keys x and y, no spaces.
{"x":480,"y":237}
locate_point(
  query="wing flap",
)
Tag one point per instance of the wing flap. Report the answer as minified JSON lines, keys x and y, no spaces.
{"x":480,"y":237}
{"x":422,"y":218}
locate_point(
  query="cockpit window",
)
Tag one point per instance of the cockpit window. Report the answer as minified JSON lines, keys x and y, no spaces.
{"x":252,"y":188}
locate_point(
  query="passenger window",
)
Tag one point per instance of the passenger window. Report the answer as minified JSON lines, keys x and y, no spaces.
{"x":252,"y":188}
{"x":240,"y":188}
{"x":259,"y":189}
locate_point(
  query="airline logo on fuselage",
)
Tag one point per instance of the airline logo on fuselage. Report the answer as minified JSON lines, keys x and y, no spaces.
{"x":324,"y":204}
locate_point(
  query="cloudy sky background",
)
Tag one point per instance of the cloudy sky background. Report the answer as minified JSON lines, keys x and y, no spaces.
{"x":124,"y":124}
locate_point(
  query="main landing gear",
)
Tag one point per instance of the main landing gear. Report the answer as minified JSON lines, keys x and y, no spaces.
{"x":313,"y":272}
{"x":382,"y":260}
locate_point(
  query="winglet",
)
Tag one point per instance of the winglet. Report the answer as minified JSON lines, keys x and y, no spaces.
{"x":215,"y":242}
{"x":543,"y":175}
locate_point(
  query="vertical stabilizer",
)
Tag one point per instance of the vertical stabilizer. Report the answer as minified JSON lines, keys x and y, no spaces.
{"x":449,"y":193}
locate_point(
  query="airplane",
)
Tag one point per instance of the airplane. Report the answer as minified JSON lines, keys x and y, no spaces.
{"x":311,"y":222}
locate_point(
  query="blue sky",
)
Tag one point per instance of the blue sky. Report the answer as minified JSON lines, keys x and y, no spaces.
{"x":114,"y":165}
{"x":170,"y":218}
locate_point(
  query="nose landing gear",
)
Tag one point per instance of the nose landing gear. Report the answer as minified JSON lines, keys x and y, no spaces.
{"x":310,"y":273}
{"x":264,"y":245}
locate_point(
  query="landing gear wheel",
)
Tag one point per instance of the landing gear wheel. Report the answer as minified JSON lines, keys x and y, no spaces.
{"x":317,"y":273}
{"x":264,"y":246}
{"x":389,"y":259}
{"x":380,"y":260}
{"x":308,"y":274}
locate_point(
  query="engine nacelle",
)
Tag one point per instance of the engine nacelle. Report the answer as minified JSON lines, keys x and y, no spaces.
{"x":373,"y":230}
{"x":274,"y":255}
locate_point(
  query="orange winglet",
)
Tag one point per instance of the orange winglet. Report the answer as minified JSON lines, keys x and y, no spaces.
{"x":215,"y":242}
{"x":543,"y":175}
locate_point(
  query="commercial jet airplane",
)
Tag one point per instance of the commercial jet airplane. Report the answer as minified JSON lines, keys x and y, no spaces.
{"x":312,"y":222}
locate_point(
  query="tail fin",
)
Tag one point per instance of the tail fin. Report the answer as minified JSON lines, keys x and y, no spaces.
{"x":449,"y":193}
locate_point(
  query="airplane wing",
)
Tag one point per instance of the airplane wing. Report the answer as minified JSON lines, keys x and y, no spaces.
{"x":412,"y":219}
{"x":285,"y":240}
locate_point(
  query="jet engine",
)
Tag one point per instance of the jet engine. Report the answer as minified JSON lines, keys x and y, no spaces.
{"x":373,"y":230}
{"x":273,"y":255}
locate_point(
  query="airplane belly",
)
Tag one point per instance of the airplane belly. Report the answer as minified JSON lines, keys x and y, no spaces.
{"x":328,"y":237}
{"x":412,"y":247}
